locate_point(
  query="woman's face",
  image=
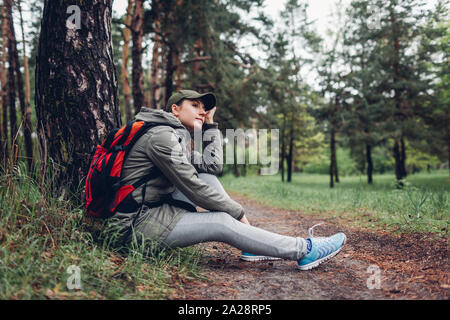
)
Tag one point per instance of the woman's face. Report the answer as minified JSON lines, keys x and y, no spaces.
{"x":191,"y":114}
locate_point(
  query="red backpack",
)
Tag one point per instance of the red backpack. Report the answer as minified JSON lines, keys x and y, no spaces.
{"x":105,"y":193}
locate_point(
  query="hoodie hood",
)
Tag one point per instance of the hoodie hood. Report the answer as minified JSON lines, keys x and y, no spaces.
{"x":160,"y":117}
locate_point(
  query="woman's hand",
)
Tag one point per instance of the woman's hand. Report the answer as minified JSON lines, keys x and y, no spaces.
{"x":210,"y":115}
{"x":244,"y":220}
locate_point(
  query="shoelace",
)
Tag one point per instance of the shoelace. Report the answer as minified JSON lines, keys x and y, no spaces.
{"x":311,"y":230}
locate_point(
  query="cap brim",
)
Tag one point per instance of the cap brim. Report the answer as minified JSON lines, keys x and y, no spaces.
{"x":209,"y":100}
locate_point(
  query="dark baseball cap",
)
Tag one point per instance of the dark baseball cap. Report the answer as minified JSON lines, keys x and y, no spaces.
{"x":208,"y":99}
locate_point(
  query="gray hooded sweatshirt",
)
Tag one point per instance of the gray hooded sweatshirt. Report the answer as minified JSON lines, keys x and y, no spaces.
{"x":164,"y":146}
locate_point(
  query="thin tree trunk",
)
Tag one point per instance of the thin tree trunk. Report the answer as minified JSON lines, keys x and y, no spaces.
{"x":156,"y":66}
{"x":125,"y":58}
{"x":283,"y":148}
{"x":137,"y":72}
{"x":155,"y":83}
{"x":398,"y":150}
{"x":4,"y":93}
{"x":291,"y":151}
{"x":236,"y":168}
{"x":179,"y":70}
{"x":333,"y":156}
{"x":76,"y":88}
{"x":397,"y":157}
{"x":168,"y":83}
{"x":403,"y":157}
{"x":369,"y":163}
{"x":24,"y":108}
{"x":12,"y":84}
{"x":148,"y":87}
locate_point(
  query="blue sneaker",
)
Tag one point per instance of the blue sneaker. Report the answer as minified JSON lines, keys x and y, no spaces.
{"x":253,"y":257}
{"x":321,"y":250}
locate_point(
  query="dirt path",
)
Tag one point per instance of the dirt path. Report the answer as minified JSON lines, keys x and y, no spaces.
{"x":409,"y":267}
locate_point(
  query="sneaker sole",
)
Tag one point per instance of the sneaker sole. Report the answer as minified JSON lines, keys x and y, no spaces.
{"x":322,"y":260}
{"x":258,"y":258}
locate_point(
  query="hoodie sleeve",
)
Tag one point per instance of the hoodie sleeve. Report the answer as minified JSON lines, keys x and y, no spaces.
{"x":211,"y":160}
{"x":165,"y":150}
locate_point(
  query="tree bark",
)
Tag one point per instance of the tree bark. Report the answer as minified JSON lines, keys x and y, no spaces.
{"x":399,"y":152}
{"x":24,"y":108}
{"x":168,"y":83}
{"x":397,"y":157}
{"x":28,"y":123}
{"x":156,"y":66}
{"x":125,"y":58}
{"x":333,"y":156}
{"x":137,"y":72}
{"x":369,"y":164}
{"x":4,"y":93}
{"x":283,"y":148}
{"x":291,"y":151}
{"x":403,"y":157}
{"x":11,"y":84}
{"x":76,"y":87}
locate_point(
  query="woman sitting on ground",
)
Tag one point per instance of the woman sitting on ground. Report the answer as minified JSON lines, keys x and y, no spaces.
{"x":188,"y":180}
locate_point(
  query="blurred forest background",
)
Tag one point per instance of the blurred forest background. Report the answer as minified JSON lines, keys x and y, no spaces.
{"x":373,"y":97}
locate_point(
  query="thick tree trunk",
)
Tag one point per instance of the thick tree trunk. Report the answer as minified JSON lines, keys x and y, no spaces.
{"x":4,"y":149}
{"x":125,"y":56}
{"x":76,"y":87}
{"x":137,"y":72}
{"x":369,"y":163}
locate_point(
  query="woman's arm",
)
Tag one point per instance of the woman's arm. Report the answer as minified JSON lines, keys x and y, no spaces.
{"x":165,"y":151}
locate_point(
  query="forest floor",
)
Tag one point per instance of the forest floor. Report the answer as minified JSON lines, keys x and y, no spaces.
{"x":408,"y":266}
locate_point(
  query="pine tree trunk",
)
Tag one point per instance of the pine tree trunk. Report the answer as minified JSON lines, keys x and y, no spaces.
{"x":156,"y":66}
{"x":148,"y":87}
{"x":125,"y":58}
{"x":291,"y":152}
{"x":11,"y":84}
{"x":76,"y":87}
{"x":336,"y":172}
{"x":403,"y":157}
{"x":369,"y":163}
{"x":26,"y":117}
{"x":4,"y":149}
{"x":397,"y":157}
{"x":398,"y":151}
{"x":235,"y":164}
{"x":333,"y":157}
{"x":168,"y":83}
{"x":179,"y":71}
{"x":137,"y":72}
{"x":283,"y":148}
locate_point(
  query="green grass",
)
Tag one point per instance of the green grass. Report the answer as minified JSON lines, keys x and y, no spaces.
{"x":421,"y":206}
{"x":42,"y":236}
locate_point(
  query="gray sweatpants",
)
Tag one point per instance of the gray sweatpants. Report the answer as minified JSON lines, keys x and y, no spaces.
{"x":197,"y":227}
